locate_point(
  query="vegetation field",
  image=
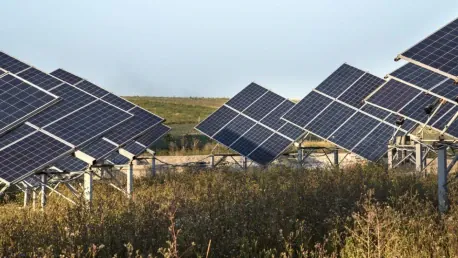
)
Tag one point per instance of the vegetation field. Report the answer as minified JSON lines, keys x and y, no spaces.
{"x":361,"y":211}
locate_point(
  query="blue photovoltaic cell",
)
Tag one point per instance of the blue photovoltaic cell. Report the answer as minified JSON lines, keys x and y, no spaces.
{"x":70,"y":163}
{"x":99,"y":148}
{"x":273,"y":120}
{"x":407,"y":126}
{"x":340,"y":80}
{"x":376,"y":144}
{"x":134,"y":127}
{"x":439,"y":50}
{"x":416,"y":108}
{"x":418,"y":76}
{"x":393,"y":95}
{"x":270,"y":149}
{"x":119,"y":102}
{"x":40,"y":78}
{"x":216,"y":121}
{"x":1,"y":72}
{"x":291,"y":131}
{"x":448,"y":89}
{"x":11,"y":64}
{"x":309,"y":107}
{"x":66,"y":76}
{"x":354,"y":130}
{"x":443,"y":116}
{"x":264,"y":105}
{"x":375,"y":111}
{"x":71,"y":99}
{"x":92,"y":89}
{"x":232,"y":131}
{"x":118,"y":159}
{"x":251,"y":140}
{"x":28,"y":155}
{"x":16,"y":134}
{"x":153,"y":134}
{"x":359,"y":90}
{"x":19,"y":99}
{"x":134,"y":148}
{"x":331,"y":118}
{"x":87,"y":123}
{"x":246,"y":97}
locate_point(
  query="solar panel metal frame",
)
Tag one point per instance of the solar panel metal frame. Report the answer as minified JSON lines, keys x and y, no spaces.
{"x":240,"y":113}
{"x":413,"y":61}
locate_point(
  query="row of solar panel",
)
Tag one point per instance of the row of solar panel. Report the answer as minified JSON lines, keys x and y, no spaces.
{"x":83,"y":112}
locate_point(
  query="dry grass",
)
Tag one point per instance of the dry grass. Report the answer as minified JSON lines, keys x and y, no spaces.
{"x":359,"y":212}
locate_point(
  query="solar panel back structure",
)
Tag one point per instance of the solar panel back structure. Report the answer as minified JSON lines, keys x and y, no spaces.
{"x":61,"y":132}
{"x":250,"y":124}
{"x":335,"y":111}
{"x":125,"y":134}
{"x":411,"y":89}
{"x":437,"y":52}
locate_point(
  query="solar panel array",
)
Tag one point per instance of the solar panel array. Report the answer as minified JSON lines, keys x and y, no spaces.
{"x":335,"y":111}
{"x":60,"y":118}
{"x":250,"y":124}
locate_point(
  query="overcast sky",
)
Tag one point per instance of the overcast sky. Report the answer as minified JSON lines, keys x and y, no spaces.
{"x":215,"y":48}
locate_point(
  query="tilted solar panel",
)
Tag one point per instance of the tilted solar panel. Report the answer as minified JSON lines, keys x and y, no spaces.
{"x":153,"y":134}
{"x":66,"y":76}
{"x":99,"y":148}
{"x":70,"y":163}
{"x":438,"y":52}
{"x":40,"y":78}
{"x":344,"y":77}
{"x":251,"y":122}
{"x":16,"y":134}
{"x":20,"y":100}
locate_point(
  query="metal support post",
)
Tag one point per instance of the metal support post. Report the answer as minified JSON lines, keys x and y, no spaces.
{"x":390,"y":156}
{"x":88,"y":187}
{"x":245,"y":163}
{"x":418,"y":157}
{"x":44,"y":181}
{"x":299,"y":157}
{"x":212,"y":161}
{"x":442,"y":173}
{"x":130,"y":180}
{"x":336,"y":158}
{"x":26,"y":196}
{"x":153,"y":165}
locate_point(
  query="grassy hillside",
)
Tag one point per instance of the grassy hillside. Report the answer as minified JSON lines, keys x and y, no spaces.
{"x":180,"y":110}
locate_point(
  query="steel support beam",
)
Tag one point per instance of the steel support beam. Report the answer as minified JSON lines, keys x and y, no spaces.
{"x":418,"y":158}
{"x":442,"y":173}
{"x":26,"y":196}
{"x":336,"y":158}
{"x":299,"y":157}
{"x":44,"y":182}
{"x":153,"y":165}
{"x":130,"y":180}
{"x":391,"y":151}
{"x":88,"y":176}
{"x":212,"y":161}
{"x":245,"y":163}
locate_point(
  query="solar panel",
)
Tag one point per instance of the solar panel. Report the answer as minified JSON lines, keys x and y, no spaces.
{"x":2,"y":72}
{"x":71,"y":99}
{"x":153,"y":134}
{"x":377,"y":112}
{"x":134,"y":148}
{"x":360,"y":89}
{"x":117,"y":159}
{"x":119,"y":102}
{"x":19,"y":100}
{"x":415,"y":109}
{"x":308,"y":108}
{"x":443,"y":116}
{"x":354,"y":130}
{"x":246,"y":121}
{"x":99,"y":148}
{"x":419,"y":76}
{"x":29,"y":155}
{"x":11,"y":64}
{"x":437,"y":51}
{"x":40,"y":78}
{"x":70,"y":163}
{"x":340,"y":80}
{"x":246,"y":97}
{"x":66,"y":76}
{"x":375,"y":145}
{"x":16,"y":134}
{"x":88,"y":122}
{"x":393,"y":95}
{"x":331,"y":118}
{"x":270,"y":149}
{"x":233,"y":130}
